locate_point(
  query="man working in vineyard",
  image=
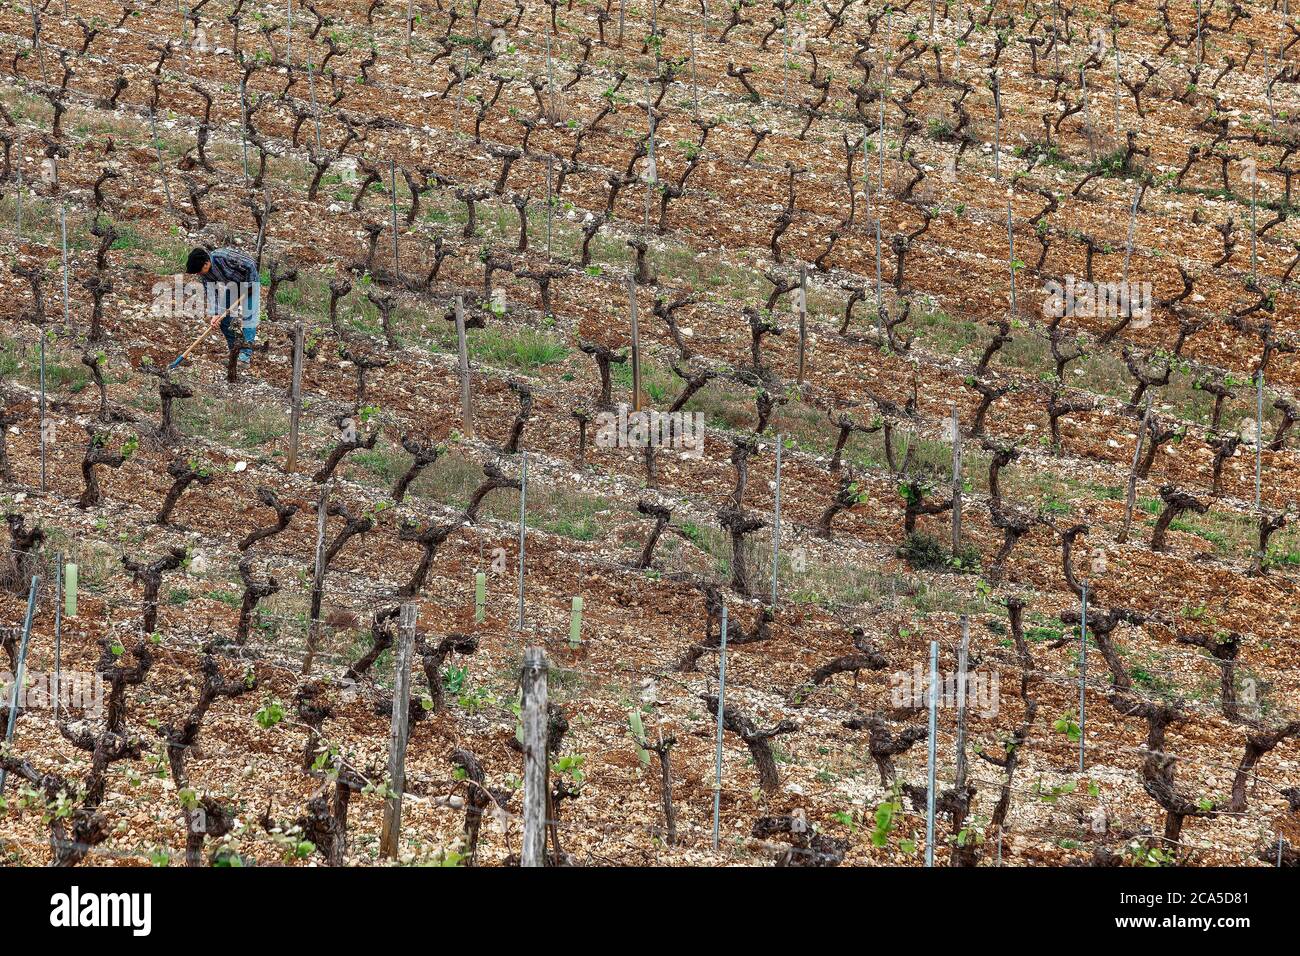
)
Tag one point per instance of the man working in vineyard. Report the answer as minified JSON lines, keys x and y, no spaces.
{"x":233,"y":292}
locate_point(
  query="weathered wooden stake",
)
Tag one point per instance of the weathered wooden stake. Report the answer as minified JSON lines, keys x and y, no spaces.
{"x":390,"y":835}
{"x":636,"y":345}
{"x":550,"y":164}
{"x":695,"y":86}
{"x":652,"y":174}
{"x":785,"y":59}
{"x":1200,"y":42}
{"x":1259,"y":436}
{"x":1115,"y":40}
{"x":315,"y":111}
{"x":956,"y":481}
{"x":1083,"y":670}
{"x":462,"y":351}
{"x":392,"y":189}
{"x":880,"y":294}
{"x":162,"y":170}
{"x":295,"y":399}
{"x":930,"y":753}
{"x":722,"y":703}
{"x":1254,"y":196}
{"x":20,"y":676}
{"x":523,"y":529}
{"x":1011,"y":255}
{"x":243,"y":114}
{"x":18,"y":195}
{"x":58,"y":632}
{"x":1087,"y":116}
{"x":532,"y":681}
{"x":318,"y":579}
{"x":63,"y":237}
{"x":997,"y":127}
{"x":1132,"y":231}
{"x":776,"y":521}
{"x":880,"y":146}
{"x":42,"y":410}
{"x":1133,"y":473}
{"x":803,"y":322}
{"x":963,"y":654}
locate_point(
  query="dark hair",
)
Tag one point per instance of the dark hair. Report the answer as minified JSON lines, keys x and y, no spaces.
{"x":198,"y":258}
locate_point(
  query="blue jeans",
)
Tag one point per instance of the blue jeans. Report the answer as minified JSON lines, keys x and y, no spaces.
{"x":248,"y":321}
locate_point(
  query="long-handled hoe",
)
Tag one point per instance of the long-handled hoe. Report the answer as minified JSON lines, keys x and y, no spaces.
{"x":204,"y":334}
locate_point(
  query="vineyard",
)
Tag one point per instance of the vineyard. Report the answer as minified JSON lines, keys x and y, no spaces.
{"x":791,"y":433}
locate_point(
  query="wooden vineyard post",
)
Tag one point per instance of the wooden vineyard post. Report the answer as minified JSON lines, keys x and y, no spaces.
{"x":1083,"y":669}
{"x":42,"y":410}
{"x":880,"y":145}
{"x":63,"y":235}
{"x":58,"y":633}
{"x":1200,"y":42}
{"x":785,"y":60}
{"x":776,"y":521}
{"x":1259,"y":438}
{"x":392,"y":191}
{"x":997,"y":125}
{"x":295,"y":399}
{"x":162,"y":168}
{"x":930,"y":753}
{"x":1254,"y":197}
{"x":956,"y":481}
{"x":243,"y":116}
{"x":803,"y":322}
{"x":462,"y":351}
{"x":397,"y":733}
{"x":880,"y":294}
{"x":963,"y":655}
{"x":18,"y":193}
{"x":652,"y":174}
{"x":550,"y":79}
{"x":464,"y":72}
{"x":1011,"y":255}
{"x":315,"y":111}
{"x":1115,"y":41}
{"x":550,"y":203}
{"x":318,"y":579}
{"x":1132,"y":233}
{"x":261,"y":228}
{"x":533,"y":684}
{"x":695,"y":86}
{"x":36,"y":42}
{"x":636,"y":345}
{"x":32,"y":590}
{"x":1087,"y":115}
{"x":523,"y":531}
{"x":722,"y":703}
{"x":1132,"y":475}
